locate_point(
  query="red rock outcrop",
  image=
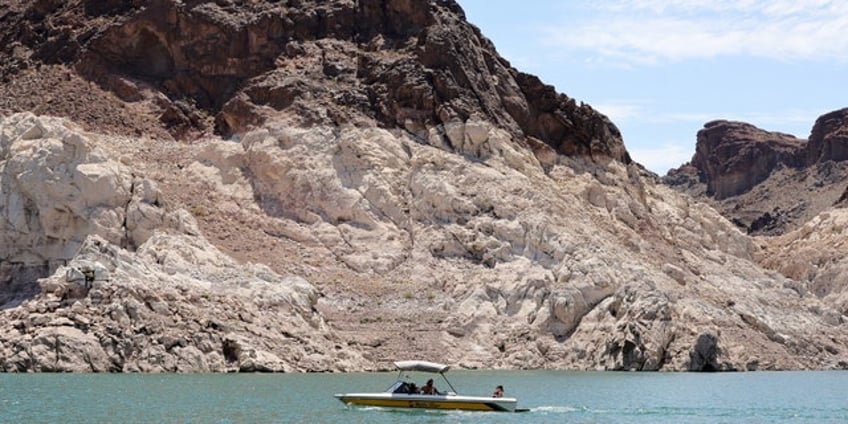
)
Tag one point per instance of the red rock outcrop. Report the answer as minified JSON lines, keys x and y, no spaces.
{"x":768,"y":182}
{"x":829,"y":138}
{"x":735,"y":156}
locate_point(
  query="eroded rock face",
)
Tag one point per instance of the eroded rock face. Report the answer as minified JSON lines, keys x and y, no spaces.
{"x":623,"y":276}
{"x":812,"y":255}
{"x":733,"y":157}
{"x":56,"y":190}
{"x":767,"y":183}
{"x":829,"y":138}
{"x":496,"y":261}
{"x":705,"y":355}
{"x":100,"y":276}
{"x":177,"y":305}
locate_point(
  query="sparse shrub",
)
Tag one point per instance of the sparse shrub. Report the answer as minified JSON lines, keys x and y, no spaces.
{"x":198,"y":210}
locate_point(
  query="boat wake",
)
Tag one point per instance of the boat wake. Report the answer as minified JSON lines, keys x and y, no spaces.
{"x":556,"y":409}
{"x":415,"y":411}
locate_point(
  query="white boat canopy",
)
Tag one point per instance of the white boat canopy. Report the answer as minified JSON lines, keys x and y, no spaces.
{"x":422,"y":366}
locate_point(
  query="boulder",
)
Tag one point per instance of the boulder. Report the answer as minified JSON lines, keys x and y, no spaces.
{"x":60,"y":348}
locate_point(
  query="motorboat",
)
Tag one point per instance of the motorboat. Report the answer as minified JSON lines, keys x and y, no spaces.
{"x":404,"y":394}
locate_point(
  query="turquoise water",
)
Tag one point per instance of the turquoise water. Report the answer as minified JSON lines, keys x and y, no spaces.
{"x":551,"y":396}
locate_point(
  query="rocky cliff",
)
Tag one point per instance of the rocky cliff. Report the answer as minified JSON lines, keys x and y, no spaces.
{"x":735,"y":156}
{"x":299,"y":185}
{"x":198,"y":66}
{"x":767,"y":182}
{"x":770,"y":183}
{"x":130,"y":284}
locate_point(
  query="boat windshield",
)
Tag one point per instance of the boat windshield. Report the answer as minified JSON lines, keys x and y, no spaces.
{"x":405,"y":384}
{"x":403,"y":387}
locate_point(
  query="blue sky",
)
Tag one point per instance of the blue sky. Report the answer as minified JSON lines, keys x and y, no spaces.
{"x":661,"y":69}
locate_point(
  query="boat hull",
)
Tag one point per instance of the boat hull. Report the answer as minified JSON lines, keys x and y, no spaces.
{"x":465,"y":403}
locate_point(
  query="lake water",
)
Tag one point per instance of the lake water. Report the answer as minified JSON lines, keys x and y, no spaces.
{"x":551,"y":396}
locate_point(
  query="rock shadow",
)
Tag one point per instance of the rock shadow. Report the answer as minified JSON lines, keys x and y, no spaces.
{"x":19,"y":283}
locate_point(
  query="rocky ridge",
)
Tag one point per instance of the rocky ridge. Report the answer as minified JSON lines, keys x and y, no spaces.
{"x":767,"y":183}
{"x":460,"y":211}
{"x":200,"y":66}
{"x":504,"y":265}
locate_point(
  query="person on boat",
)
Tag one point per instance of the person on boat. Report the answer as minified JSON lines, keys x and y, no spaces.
{"x":498,"y":392}
{"x":408,"y":388}
{"x":429,"y":388}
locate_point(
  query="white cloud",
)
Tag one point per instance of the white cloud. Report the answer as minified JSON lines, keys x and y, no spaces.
{"x":643,"y":111}
{"x":637,"y":32}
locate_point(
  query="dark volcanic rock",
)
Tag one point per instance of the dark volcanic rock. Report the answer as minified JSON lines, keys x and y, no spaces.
{"x":829,"y":138}
{"x":734,"y":156}
{"x":768,"y":182}
{"x":200,"y":66}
